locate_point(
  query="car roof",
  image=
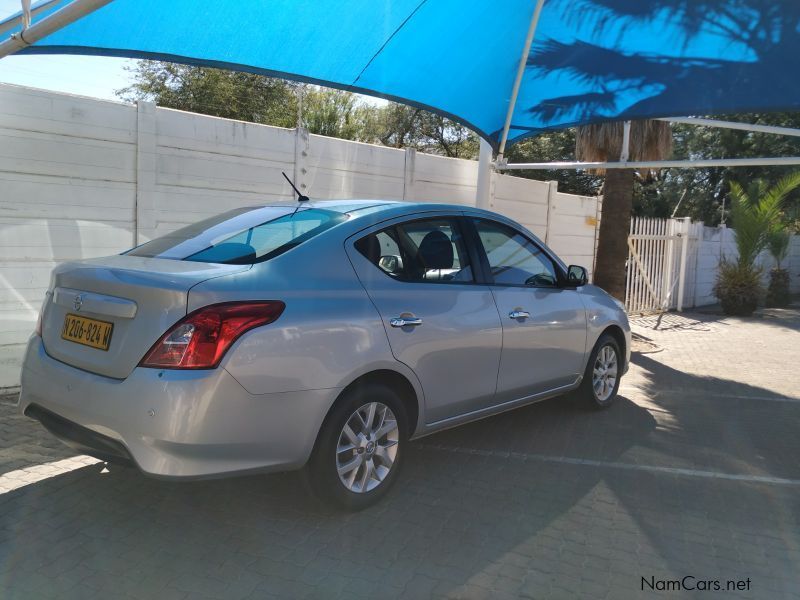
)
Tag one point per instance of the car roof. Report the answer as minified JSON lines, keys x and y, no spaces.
{"x":376,"y":210}
{"x":360,"y":207}
{"x":341,"y":206}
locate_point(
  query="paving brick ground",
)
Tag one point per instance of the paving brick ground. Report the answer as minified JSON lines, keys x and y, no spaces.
{"x":693,"y":472}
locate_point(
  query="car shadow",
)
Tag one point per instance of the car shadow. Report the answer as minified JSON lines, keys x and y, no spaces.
{"x":546,"y":500}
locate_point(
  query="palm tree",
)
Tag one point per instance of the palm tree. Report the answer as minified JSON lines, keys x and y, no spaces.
{"x":778,"y":292}
{"x":757,"y":215}
{"x":778,"y":244}
{"x":649,"y":140}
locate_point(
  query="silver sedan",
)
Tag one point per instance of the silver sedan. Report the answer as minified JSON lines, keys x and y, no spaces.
{"x":321,"y":335}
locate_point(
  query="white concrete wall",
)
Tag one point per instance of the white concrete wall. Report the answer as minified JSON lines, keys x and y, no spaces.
{"x":81,"y":177}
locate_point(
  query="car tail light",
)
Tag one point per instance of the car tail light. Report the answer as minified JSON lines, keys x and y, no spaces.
{"x":201,"y":339}
{"x":40,"y":318}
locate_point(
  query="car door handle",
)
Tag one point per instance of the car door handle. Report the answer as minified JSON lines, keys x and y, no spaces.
{"x":405,"y":322}
{"x":519,"y":314}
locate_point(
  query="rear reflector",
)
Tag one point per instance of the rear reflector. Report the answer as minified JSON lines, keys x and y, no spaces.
{"x":201,"y":339}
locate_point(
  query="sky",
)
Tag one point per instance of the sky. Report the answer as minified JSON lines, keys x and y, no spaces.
{"x":92,"y":76}
{"x":95,"y":76}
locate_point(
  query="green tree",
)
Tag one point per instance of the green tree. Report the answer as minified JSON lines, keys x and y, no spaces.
{"x":270,"y":101}
{"x":554,"y":146}
{"x":756,"y":211}
{"x":707,"y":190}
{"x":403,"y":126}
{"x":336,"y":113}
{"x":227,"y":94}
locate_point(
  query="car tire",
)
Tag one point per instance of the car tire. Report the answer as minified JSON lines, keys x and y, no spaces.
{"x":373,"y":451}
{"x":603,"y":373}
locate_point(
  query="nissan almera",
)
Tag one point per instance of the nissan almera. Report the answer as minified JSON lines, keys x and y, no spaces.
{"x":321,"y":335}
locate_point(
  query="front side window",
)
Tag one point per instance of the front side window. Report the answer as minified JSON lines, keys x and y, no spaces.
{"x":513,"y":258}
{"x":427,"y":250}
{"x":242,"y":236}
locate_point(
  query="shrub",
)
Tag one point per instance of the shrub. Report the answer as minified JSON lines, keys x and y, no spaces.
{"x":757,"y":215}
{"x":738,"y":288}
{"x":778,"y":292}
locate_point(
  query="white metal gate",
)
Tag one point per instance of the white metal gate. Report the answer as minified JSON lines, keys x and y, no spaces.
{"x":660,"y":251}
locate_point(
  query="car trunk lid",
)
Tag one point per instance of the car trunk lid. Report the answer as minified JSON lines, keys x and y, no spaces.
{"x":139,"y":298}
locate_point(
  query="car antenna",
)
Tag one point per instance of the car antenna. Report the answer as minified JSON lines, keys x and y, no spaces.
{"x":300,"y":197}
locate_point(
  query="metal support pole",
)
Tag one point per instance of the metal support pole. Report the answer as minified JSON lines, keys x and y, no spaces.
{"x":733,"y":125}
{"x":685,"y":222}
{"x":19,"y":19}
{"x":485,"y":168}
{"x":626,"y":141}
{"x":523,"y":60}
{"x":654,"y":164}
{"x":552,"y":188}
{"x":26,"y":14}
{"x":59,"y":19}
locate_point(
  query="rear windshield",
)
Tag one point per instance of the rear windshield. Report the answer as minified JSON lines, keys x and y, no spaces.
{"x":242,"y":236}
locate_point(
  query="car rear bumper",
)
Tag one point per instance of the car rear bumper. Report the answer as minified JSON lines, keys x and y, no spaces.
{"x":80,"y":438}
{"x":171,"y":423}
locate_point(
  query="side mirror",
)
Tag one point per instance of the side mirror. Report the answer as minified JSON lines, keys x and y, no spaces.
{"x":390,"y":263}
{"x":576,"y":276}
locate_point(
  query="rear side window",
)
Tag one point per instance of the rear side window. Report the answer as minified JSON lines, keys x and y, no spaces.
{"x":424,"y":251}
{"x":242,"y":236}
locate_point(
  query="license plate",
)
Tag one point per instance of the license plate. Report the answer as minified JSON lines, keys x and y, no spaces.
{"x":89,"y":332}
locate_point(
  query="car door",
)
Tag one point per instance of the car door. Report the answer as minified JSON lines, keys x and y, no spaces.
{"x":419,"y":273}
{"x":544,"y":324}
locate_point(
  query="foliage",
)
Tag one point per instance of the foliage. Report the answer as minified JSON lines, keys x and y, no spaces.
{"x":756,"y":212}
{"x":706,"y":189}
{"x":269,"y":101}
{"x":227,"y":94}
{"x":778,"y":244}
{"x":700,"y":193}
{"x":778,"y":294}
{"x":554,"y":146}
{"x":335,"y":113}
{"x":757,"y":215}
{"x":406,"y":126}
{"x":738,"y":287}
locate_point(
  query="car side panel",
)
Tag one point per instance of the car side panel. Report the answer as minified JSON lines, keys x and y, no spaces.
{"x":328,"y":330}
{"x":455,"y":352}
{"x":544,"y":351}
{"x":601,"y":313}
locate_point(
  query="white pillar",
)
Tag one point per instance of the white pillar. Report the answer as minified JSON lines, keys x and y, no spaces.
{"x":483,"y":193}
{"x":301,"y":150}
{"x":144,"y":226}
{"x":685,"y":225}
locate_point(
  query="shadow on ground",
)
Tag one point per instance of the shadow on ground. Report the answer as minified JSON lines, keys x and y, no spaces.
{"x":516,"y":519}
{"x":784,"y":319}
{"x":465,"y":526}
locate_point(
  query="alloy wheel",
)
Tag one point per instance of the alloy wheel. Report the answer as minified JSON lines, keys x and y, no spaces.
{"x":604,"y":373}
{"x":367,"y":447}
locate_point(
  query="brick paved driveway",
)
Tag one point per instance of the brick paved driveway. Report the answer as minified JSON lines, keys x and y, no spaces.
{"x":694,"y":471}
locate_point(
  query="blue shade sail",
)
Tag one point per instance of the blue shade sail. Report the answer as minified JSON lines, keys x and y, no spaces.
{"x":591,"y":60}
